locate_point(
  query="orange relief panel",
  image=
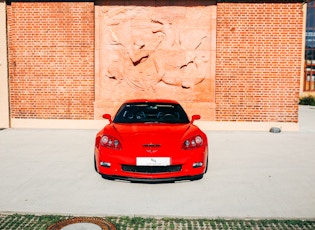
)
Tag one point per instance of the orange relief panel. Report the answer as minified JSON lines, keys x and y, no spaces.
{"x":155,"y":52}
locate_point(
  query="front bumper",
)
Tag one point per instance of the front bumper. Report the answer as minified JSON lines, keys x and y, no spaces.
{"x":189,"y":167}
{"x":153,"y":180}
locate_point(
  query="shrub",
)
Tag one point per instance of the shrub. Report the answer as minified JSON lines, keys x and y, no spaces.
{"x":307,"y":100}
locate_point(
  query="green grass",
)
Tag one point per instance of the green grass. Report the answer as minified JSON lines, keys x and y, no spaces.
{"x":41,"y":222}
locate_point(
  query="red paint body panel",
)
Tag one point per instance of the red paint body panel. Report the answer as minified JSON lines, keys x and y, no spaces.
{"x":153,"y":141}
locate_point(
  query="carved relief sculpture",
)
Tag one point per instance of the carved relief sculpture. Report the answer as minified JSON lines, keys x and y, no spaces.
{"x":155,"y":52}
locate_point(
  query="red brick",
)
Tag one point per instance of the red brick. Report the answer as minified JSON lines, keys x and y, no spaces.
{"x":51,"y":60}
{"x":258,"y":64}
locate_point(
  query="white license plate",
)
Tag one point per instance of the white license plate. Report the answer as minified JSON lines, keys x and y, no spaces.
{"x":153,"y":161}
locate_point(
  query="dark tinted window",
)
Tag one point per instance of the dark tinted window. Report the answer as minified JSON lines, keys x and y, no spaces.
{"x":309,"y":68}
{"x":151,"y":112}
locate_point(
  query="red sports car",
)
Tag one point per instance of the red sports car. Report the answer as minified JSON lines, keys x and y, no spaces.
{"x":151,"y":141}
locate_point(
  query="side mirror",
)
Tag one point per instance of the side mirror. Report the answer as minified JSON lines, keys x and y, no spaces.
{"x":195,"y":117}
{"x":108,"y":117}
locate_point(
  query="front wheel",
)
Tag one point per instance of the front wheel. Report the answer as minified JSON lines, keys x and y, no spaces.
{"x":206,"y":166}
{"x":95,"y":166}
{"x":107,"y":177}
{"x":198,"y":177}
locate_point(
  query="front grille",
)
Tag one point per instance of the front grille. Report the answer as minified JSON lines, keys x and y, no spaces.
{"x":151,"y":169}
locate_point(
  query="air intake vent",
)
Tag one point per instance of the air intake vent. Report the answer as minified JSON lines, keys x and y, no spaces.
{"x":151,"y":169}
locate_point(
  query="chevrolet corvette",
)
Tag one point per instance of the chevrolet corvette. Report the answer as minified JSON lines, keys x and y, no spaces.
{"x":151,"y":141}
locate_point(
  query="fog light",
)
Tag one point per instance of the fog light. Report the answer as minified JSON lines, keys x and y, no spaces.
{"x":197,"y":165}
{"x":105,"y":164}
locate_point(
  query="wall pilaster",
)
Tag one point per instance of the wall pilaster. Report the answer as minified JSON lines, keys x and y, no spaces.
{"x":4,"y":89}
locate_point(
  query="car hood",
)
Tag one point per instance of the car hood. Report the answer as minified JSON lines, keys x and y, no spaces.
{"x":152,"y":133}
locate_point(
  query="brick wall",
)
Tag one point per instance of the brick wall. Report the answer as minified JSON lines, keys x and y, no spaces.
{"x":258,"y":65}
{"x":51,"y":60}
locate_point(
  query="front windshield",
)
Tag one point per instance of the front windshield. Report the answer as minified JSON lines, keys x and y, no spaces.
{"x":151,"y":112}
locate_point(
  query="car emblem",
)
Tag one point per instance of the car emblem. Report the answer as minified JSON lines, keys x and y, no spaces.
{"x":151,"y":148}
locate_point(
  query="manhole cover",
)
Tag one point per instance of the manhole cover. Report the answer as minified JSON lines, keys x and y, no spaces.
{"x":82,"y":223}
{"x":82,"y":226}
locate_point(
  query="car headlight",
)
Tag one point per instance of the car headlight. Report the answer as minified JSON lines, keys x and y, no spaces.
{"x":193,"y":142}
{"x":110,"y":142}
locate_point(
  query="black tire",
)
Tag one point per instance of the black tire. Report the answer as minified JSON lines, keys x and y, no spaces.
{"x":206,"y":166}
{"x":95,"y":167}
{"x":198,"y":177}
{"x":107,"y":177}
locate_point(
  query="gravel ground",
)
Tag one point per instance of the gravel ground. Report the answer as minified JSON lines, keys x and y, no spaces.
{"x":35,"y":222}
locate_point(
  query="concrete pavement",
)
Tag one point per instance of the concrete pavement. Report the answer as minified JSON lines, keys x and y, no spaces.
{"x":251,"y":175}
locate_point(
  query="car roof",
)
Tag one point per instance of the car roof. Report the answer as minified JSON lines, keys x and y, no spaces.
{"x":151,"y":100}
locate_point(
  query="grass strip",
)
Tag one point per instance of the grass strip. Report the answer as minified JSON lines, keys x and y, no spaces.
{"x":41,"y":222}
